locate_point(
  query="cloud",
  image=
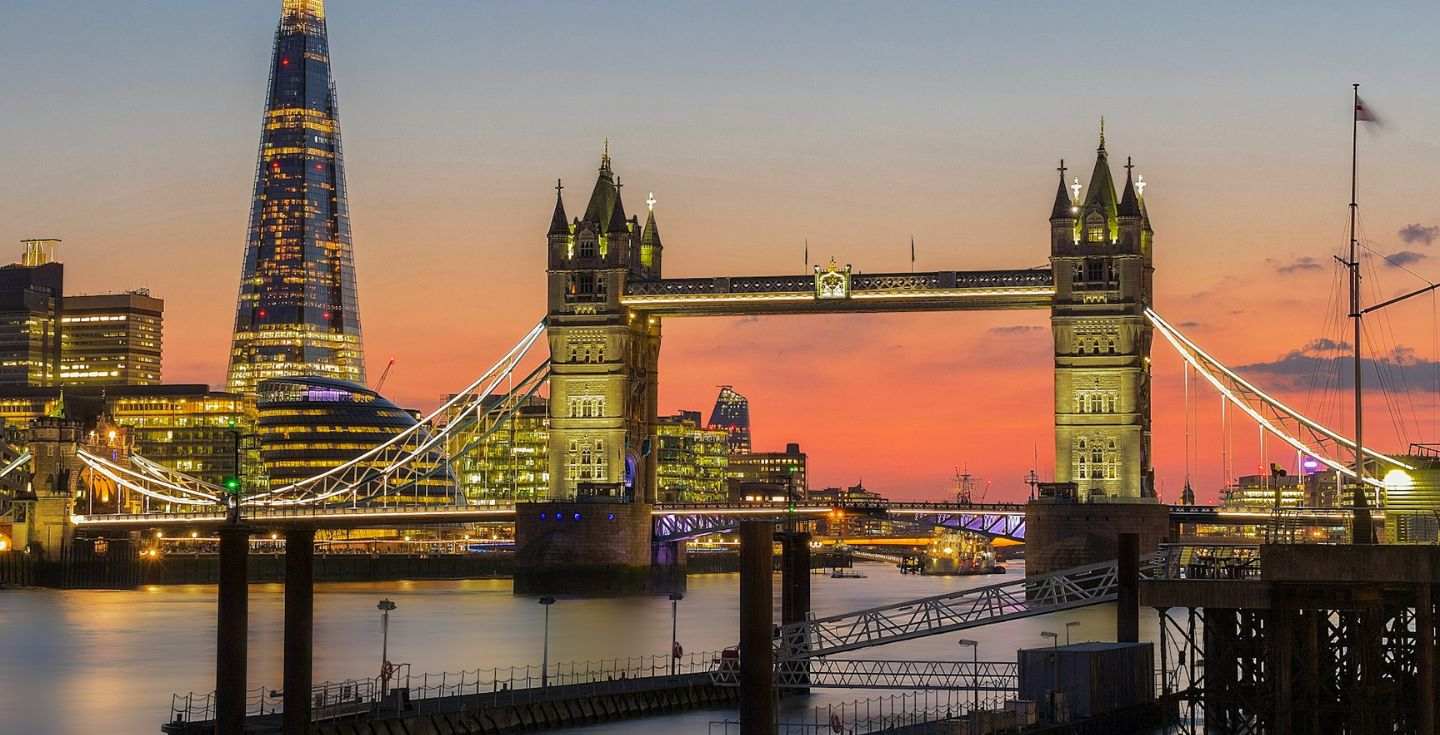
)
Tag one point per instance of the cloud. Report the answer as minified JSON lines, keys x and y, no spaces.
{"x":1326,"y":364}
{"x":1015,"y":329}
{"x":1190,"y":325}
{"x":1404,"y":258}
{"x":1301,"y":264}
{"x":1325,"y":344}
{"x":1419,"y":234}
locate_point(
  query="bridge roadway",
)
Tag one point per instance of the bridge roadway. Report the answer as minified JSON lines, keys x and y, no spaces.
{"x":677,"y":521}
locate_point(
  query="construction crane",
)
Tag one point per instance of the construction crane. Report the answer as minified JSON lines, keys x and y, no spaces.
{"x":381,"y":382}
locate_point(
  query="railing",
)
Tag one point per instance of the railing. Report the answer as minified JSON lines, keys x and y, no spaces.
{"x":875,"y":715}
{"x":514,"y":683}
{"x":270,"y":513}
{"x":858,"y":282}
{"x":1209,"y":561}
{"x":831,"y":673}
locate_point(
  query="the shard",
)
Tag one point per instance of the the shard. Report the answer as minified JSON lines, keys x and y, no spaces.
{"x":297,"y":312}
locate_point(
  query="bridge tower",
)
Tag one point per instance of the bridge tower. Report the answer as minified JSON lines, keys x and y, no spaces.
{"x":1101,"y":253}
{"x":604,"y":359}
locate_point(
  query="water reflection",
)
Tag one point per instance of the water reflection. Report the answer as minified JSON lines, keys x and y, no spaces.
{"x":92,"y":661}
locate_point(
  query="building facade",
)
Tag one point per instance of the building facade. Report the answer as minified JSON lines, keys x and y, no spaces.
{"x":693,"y":460}
{"x":112,"y":339}
{"x":1101,"y":254}
{"x":732,"y":415}
{"x":31,"y":309}
{"x":768,"y":473}
{"x":512,"y":463}
{"x":297,"y":312}
{"x":307,"y":425}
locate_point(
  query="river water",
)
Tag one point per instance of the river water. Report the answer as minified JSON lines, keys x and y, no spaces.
{"x":107,"y":661}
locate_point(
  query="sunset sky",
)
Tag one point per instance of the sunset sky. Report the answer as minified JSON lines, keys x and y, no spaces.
{"x":130,"y":131}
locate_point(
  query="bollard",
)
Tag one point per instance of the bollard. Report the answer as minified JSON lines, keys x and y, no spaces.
{"x":757,"y":658}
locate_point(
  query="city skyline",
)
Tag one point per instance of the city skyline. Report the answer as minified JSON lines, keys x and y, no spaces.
{"x":1239,"y":235}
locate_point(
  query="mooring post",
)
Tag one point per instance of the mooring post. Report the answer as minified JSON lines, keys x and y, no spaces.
{"x":757,"y":658}
{"x":1127,"y":612}
{"x":232,"y":629}
{"x":795,"y":601}
{"x":299,"y":628}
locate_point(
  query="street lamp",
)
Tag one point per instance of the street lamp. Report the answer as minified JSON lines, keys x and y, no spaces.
{"x":1068,"y":626}
{"x":675,"y":598}
{"x":545,"y":650}
{"x":974,"y":684}
{"x":385,"y":606}
{"x":1055,"y":664}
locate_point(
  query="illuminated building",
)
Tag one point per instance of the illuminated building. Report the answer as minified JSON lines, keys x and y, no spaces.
{"x":189,"y":428}
{"x":512,"y":463}
{"x":1263,"y":492}
{"x":693,"y":459}
{"x":111,"y":339}
{"x":732,"y":414}
{"x":307,"y":425}
{"x":775,"y":473}
{"x":297,"y":312}
{"x":30,"y":316}
{"x":1101,"y":254}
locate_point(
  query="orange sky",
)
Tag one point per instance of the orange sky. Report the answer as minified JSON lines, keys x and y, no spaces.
{"x":853,"y":128}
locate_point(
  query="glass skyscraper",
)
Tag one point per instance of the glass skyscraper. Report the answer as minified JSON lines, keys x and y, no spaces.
{"x":732,"y":413}
{"x":297,"y":312}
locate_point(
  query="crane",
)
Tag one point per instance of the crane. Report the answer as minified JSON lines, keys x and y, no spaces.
{"x":381,"y":382}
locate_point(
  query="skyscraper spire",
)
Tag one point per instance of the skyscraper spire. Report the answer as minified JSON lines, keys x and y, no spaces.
{"x":297,"y":312}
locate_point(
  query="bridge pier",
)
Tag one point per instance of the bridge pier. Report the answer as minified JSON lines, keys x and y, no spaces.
{"x":232,"y":631}
{"x":582,"y":548}
{"x":1062,"y":534}
{"x":757,"y":655}
{"x":795,"y":599}
{"x":299,"y":628}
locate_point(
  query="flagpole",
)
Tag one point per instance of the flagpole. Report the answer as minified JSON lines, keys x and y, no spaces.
{"x":1361,"y":531}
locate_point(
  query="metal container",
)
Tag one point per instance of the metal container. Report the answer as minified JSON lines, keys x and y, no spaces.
{"x":1094,"y":678}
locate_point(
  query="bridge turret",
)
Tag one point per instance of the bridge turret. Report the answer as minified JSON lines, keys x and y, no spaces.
{"x":1063,"y":215}
{"x":1103,"y":276}
{"x":651,"y":249}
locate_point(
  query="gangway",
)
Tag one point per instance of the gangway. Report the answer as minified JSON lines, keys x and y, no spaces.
{"x":1067,"y":589}
{"x":984,"y":676}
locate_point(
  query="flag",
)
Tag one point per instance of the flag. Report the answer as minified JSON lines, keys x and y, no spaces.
{"x":1364,"y":113}
{"x":807,"y":253}
{"x":912,"y":253}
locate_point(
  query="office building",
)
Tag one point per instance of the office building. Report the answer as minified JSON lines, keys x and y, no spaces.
{"x":693,"y":459}
{"x":772,"y":473}
{"x":30,"y":316}
{"x":511,"y":463}
{"x":297,"y":312}
{"x":307,"y":425}
{"x":732,"y":414}
{"x":111,"y":339}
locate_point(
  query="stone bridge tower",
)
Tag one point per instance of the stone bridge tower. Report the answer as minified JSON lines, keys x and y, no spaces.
{"x":604,"y":358}
{"x":1101,"y":252}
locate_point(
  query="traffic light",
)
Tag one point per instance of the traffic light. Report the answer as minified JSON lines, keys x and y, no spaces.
{"x":232,"y":484}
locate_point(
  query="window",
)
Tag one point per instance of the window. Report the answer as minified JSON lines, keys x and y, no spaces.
{"x":1096,"y":459}
{"x":587,"y":247}
{"x":586,"y":462}
{"x":587,"y":407}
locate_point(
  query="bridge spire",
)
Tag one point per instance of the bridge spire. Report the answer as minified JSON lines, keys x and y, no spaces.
{"x":559,"y":224}
{"x":1130,"y":201}
{"x":1064,"y":207}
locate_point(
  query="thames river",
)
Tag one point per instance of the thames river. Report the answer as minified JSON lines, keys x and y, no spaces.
{"x":105,"y":661}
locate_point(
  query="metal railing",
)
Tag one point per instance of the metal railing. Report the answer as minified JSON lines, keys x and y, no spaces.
{"x":830,"y":673}
{"x":514,"y":684}
{"x":1209,"y":561}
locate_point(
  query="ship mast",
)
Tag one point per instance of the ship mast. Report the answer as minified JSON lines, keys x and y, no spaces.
{"x":1361,"y":529}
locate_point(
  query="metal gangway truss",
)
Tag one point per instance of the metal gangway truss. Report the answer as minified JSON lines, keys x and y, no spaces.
{"x":1066,"y":589}
{"x":835,"y":673}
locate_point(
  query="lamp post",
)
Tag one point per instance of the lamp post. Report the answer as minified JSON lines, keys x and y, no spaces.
{"x":1068,"y":626}
{"x":385,"y":606}
{"x":546,"y":602}
{"x":675,"y":598}
{"x":974,"y":684}
{"x":1055,"y":665}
